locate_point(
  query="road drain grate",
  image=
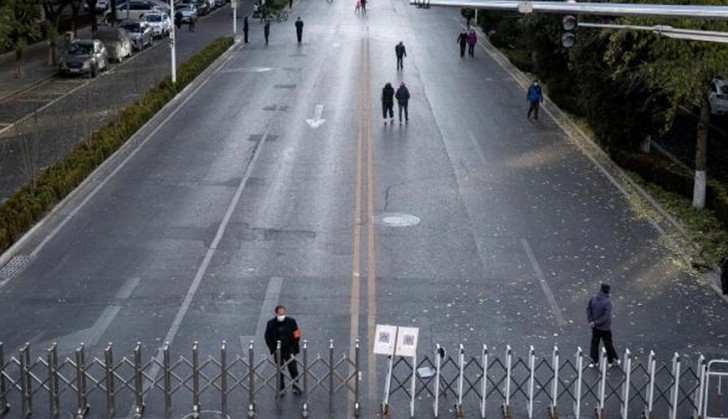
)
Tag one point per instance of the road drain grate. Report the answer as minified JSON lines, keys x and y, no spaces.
{"x":13,"y":268}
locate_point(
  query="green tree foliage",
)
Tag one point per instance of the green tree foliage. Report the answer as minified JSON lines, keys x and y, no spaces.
{"x":680,"y":69}
{"x":19,"y":26}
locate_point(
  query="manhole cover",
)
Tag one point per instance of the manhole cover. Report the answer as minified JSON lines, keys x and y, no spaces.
{"x":399,"y":220}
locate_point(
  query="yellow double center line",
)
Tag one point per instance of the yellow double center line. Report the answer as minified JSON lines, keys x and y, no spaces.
{"x":364,"y":177}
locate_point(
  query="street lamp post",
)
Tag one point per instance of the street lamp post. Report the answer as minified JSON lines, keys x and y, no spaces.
{"x":234,"y":5}
{"x":172,"y":47}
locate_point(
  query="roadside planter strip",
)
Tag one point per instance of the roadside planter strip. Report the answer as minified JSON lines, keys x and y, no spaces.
{"x":31,"y":203}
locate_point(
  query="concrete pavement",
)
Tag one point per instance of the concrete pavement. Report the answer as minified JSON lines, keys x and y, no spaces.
{"x":471,"y":222}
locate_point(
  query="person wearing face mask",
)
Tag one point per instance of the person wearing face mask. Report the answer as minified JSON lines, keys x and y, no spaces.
{"x":535,"y":99}
{"x":284,"y":329}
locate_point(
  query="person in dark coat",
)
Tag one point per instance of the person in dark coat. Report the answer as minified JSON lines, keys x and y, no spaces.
{"x":299,"y":29}
{"x":401,"y":52}
{"x":364,"y":5}
{"x":284,"y":329}
{"x":266,"y":30}
{"x":535,"y":99}
{"x":724,"y":275}
{"x":388,"y":102}
{"x":599,"y":316}
{"x":463,"y":41}
{"x":403,"y":96}
{"x":246,"y":28}
{"x":178,"y":19}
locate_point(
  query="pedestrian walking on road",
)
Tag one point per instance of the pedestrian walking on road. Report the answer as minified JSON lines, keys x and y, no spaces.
{"x":599,"y":316}
{"x":357,"y":7}
{"x":403,"y":96}
{"x":290,"y":4}
{"x":284,"y":329}
{"x":246,"y":27}
{"x":388,"y":103}
{"x":364,"y":5}
{"x":472,"y":40}
{"x":299,"y":29}
{"x":724,"y":275}
{"x":535,"y":99}
{"x":463,"y":41}
{"x":401,"y":52}
{"x":266,"y":30}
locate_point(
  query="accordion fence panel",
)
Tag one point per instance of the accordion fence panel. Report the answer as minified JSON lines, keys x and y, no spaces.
{"x":484,"y":385}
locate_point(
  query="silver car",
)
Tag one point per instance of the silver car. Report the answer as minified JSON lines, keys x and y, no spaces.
{"x":139,"y":32}
{"x":84,"y":56}
{"x":117,"y":42}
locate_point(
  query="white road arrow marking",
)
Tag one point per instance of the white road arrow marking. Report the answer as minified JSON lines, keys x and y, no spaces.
{"x":316,"y":121}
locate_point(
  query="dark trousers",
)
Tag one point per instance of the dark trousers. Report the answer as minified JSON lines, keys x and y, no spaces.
{"x":533,"y":108}
{"x":245,"y":35}
{"x":462,"y":50}
{"x":299,"y":34}
{"x":388,"y":108}
{"x":292,"y":370}
{"x":606,"y":337}
{"x":403,"y":105}
{"x":400,"y":63}
{"x":471,"y":50}
{"x":266,"y":37}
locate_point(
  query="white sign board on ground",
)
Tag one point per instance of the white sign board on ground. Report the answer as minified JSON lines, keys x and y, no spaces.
{"x":407,"y":341}
{"x":384,"y":339}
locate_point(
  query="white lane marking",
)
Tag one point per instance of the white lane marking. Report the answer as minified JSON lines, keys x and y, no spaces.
{"x":68,"y":343}
{"x":126,"y":290}
{"x":316,"y":121}
{"x":546,"y":289}
{"x":272,"y":296}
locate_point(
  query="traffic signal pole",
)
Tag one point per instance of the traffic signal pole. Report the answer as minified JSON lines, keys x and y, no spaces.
{"x":597,"y":9}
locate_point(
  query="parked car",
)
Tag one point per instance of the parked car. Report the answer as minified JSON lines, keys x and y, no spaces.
{"x":101,"y":6}
{"x":220,"y":3}
{"x":186,"y":13}
{"x":117,"y":42}
{"x":718,"y":97}
{"x":202,"y":6}
{"x":160,"y":23}
{"x":139,"y":32}
{"x":161,"y":5}
{"x":84,"y":56}
{"x":132,"y":9}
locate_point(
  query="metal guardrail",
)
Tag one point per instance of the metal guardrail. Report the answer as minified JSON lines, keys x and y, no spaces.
{"x":483,"y":385}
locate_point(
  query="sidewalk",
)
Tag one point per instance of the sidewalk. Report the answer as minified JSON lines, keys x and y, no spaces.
{"x":36,"y":67}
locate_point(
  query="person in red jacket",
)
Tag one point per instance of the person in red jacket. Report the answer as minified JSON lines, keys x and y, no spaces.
{"x":285,"y":330}
{"x":402,"y":96}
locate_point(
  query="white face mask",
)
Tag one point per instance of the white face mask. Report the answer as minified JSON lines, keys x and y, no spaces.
{"x":281,"y":318}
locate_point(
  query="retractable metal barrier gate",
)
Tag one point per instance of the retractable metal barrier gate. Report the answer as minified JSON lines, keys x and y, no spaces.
{"x":715,"y":396}
{"x":504,"y":385}
{"x":132,"y":381}
{"x":486,"y":383}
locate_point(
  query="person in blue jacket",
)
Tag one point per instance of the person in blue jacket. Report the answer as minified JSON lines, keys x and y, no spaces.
{"x":599,"y":316}
{"x":535,"y":99}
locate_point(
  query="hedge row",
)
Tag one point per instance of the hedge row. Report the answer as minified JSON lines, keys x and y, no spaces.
{"x":674,"y":178}
{"x":29,"y":205}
